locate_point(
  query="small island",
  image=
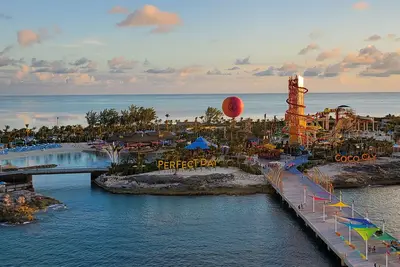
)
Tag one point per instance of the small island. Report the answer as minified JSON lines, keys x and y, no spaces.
{"x":206,"y":181}
{"x":19,"y":207}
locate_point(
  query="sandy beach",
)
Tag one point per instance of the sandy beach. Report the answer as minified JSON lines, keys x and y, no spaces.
{"x":66,"y":147}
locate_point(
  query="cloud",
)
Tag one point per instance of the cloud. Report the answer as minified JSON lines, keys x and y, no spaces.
{"x":365,"y":56}
{"x":93,"y":42}
{"x":308,"y":48}
{"x":80,"y":79}
{"x":330,"y":71}
{"x":313,"y":72}
{"x":120,"y":64}
{"x":361,"y":5}
{"x":334,"y":53}
{"x":373,"y":38}
{"x":286,"y":69}
{"x":151,"y":16}
{"x":27,"y":38}
{"x":385,"y":66}
{"x":5,"y":50}
{"x":4,"y":16}
{"x":7,"y":61}
{"x":118,"y":10}
{"x":189,"y":70}
{"x":234,"y":68}
{"x":391,"y":36}
{"x":244,"y":61}
{"x":161,"y":71}
{"x":315,"y":34}
{"x":216,"y":72}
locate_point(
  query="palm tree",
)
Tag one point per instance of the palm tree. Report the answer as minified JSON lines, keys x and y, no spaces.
{"x":166,"y":121}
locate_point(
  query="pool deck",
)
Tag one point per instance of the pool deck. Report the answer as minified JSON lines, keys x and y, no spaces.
{"x":292,"y":192}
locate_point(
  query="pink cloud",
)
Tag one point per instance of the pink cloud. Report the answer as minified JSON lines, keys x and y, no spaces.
{"x":361,"y":5}
{"x":151,"y":16}
{"x":27,"y":37}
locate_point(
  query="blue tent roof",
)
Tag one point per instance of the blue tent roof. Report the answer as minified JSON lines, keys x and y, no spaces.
{"x":200,"y":143}
{"x":355,"y":225}
{"x":360,"y":220}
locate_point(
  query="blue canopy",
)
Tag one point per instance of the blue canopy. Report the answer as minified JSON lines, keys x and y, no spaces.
{"x":200,"y":143}
{"x":360,"y":220}
{"x":355,"y":225}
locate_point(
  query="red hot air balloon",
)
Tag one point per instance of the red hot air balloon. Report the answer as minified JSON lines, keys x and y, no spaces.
{"x":232,"y":106}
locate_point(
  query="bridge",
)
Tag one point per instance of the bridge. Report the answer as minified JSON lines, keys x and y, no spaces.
{"x":25,"y":175}
{"x":321,"y":212}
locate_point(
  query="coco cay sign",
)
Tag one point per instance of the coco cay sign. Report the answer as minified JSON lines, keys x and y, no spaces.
{"x":364,"y":157}
{"x":183,"y":164}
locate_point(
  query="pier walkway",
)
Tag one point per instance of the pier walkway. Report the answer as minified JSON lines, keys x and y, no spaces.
{"x":291,"y":187}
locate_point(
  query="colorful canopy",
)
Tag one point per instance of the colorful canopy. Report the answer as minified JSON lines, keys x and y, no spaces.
{"x":384,"y":237}
{"x":340,"y":204}
{"x":366,"y":233}
{"x":319,"y":198}
{"x":355,"y":226}
{"x":360,"y":220}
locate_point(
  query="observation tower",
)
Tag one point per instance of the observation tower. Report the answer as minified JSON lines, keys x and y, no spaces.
{"x":294,"y":117}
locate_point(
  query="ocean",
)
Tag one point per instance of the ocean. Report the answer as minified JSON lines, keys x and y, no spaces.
{"x":37,"y":111}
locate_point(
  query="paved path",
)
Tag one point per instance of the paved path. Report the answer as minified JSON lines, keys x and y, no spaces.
{"x":293,"y":193}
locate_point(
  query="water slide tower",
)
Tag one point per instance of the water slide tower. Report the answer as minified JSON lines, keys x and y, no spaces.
{"x":295,"y":118}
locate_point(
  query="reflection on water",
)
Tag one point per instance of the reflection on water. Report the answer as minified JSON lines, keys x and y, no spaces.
{"x":73,"y":159}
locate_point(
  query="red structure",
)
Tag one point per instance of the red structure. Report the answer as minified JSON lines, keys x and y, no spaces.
{"x":295,"y":118}
{"x":232,"y":106}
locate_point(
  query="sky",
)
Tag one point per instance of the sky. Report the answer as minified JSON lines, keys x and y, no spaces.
{"x":209,"y":46}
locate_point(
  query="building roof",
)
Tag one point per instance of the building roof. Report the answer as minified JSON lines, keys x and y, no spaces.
{"x":142,"y":137}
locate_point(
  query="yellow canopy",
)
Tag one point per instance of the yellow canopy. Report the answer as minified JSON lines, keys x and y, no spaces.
{"x":366,"y":233}
{"x":339,"y":205}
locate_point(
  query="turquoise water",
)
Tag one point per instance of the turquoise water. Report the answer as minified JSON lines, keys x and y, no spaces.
{"x":101,"y":229}
{"x":43,"y":110}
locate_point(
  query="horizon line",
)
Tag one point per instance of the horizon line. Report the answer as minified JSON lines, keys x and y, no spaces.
{"x":176,"y":94}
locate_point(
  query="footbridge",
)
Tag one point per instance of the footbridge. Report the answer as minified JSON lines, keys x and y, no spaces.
{"x":25,"y":175}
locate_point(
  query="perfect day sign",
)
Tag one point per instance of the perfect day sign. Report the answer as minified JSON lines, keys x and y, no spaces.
{"x":182,"y":164}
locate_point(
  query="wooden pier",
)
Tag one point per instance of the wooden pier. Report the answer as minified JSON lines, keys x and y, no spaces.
{"x":290,"y":186}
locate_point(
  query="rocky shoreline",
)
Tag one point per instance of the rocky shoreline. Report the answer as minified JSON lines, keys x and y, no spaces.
{"x":19,"y":207}
{"x":379,"y":173}
{"x":232,"y":183}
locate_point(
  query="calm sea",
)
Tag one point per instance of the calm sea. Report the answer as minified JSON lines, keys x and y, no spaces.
{"x":43,"y":110}
{"x":101,"y":229}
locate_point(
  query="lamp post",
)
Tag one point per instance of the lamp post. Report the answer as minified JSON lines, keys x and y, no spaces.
{"x":304,"y":195}
{"x":313,"y":203}
{"x":350,"y":234}
{"x":323,"y":212}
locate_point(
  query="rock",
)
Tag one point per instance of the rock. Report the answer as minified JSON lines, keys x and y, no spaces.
{"x":360,"y":175}
{"x":214,"y":183}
